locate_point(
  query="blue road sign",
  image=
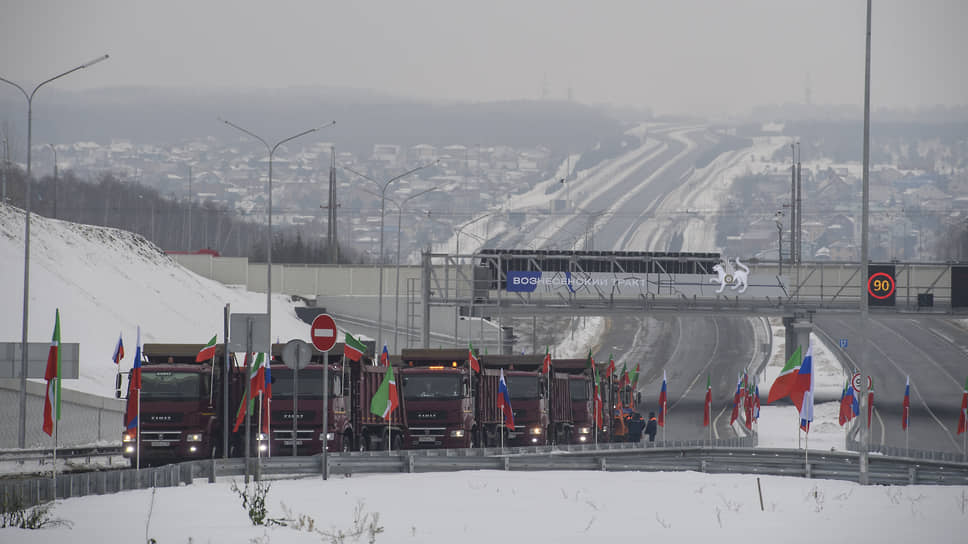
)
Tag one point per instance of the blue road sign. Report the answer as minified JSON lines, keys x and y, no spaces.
{"x":843,"y":343}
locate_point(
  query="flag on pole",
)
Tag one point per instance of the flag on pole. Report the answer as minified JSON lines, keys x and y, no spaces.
{"x":963,"y":416}
{"x":118,"y":351}
{"x":749,"y":402}
{"x":662,"y":402}
{"x":472,"y":359}
{"x":207,"y":352}
{"x":386,"y":398}
{"x":247,"y":403}
{"x":610,"y":369}
{"x":709,"y":401}
{"x":803,"y":379}
{"x":257,"y":375}
{"x":736,"y":398}
{"x":52,"y":401}
{"x":134,"y":387}
{"x":385,"y":356}
{"x":783,"y":383}
{"x":596,"y":393}
{"x":504,"y":402}
{"x":870,"y":406}
{"x":906,"y":411}
{"x":806,"y":401}
{"x":634,"y":378}
{"x":842,"y":416}
{"x":266,"y":399}
{"x":546,"y":362}
{"x":353,"y":348}
{"x":756,"y":400}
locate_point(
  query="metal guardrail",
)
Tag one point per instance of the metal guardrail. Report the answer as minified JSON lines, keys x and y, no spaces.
{"x":67,"y":452}
{"x":884,"y":470}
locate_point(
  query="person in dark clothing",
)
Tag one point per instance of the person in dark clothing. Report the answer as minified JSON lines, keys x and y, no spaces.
{"x":635,"y":424}
{"x":651,"y":427}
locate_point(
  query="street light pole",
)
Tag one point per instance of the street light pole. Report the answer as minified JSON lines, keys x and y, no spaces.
{"x":396,"y":296}
{"x":22,"y":436}
{"x":383,"y":198}
{"x":271,"y":149}
{"x":54,"y":151}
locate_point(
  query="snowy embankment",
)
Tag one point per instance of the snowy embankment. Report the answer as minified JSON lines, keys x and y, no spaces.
{"x":108,"y":282}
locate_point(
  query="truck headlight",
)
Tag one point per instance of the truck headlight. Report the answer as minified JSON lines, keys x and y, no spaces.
{"x":262,"y":437}
{"x":585,"y":430}
{"x":329,"y":436}
{"x":457,"y":433}
{"x":194,"y":437}
{"x":126,"y":437}
{"x":535,"y":430}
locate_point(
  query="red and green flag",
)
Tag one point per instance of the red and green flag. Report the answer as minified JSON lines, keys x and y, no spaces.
{"x":635,"y":376}
{"x":610,"y":369}
{"x":472,"y":359}
{"x":385,"y":400}
{"x":207,"y":352}
{"x":786,"y":382}
{"x":256,"y":384}
{"x":709,"y":401}
{"x":597,"y":390}
{"x":546,"y":362}
{"x":353,"y":348}
{"x":963,"y":417}
{"x":52,"y":402}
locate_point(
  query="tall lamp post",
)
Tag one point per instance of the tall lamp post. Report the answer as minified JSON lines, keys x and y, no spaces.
{"x":461,"y":228}
{"x":22,"y":436}
{"x":54,"y":151}
{"x":383,"y":198}
{"x":271,"y":149}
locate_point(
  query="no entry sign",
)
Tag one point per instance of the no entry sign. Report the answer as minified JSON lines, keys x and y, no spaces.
{"x":323,"y":332}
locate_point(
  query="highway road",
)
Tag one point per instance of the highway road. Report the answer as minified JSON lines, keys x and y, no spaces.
{"x":932,"y":352}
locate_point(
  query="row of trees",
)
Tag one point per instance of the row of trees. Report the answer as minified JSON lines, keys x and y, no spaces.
{"x":171,"y":224}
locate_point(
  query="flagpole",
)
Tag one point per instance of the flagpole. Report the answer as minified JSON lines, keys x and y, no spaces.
{"x":806,"y":449}
{"x":502,"y":430}
{"x":259,"y":424}
{"x":138,"y":440}
{"x":56,"y":425}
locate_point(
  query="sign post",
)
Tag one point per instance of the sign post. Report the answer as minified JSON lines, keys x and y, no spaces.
{"x":323,"y":334}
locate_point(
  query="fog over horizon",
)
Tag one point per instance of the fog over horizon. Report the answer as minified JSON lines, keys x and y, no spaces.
{"x":700,"y":58}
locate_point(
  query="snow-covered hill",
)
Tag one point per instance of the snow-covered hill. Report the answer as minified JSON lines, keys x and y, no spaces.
{"x":108,"y":281}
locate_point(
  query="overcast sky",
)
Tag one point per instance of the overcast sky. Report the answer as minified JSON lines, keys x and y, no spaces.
{"x":671,"y":55}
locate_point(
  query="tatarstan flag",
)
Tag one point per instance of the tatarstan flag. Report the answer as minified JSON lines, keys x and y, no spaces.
{"x":475,"y":365}
{"x":52,"y":402}
{"x":385,"y":400}
{"x":546,"y":362}
{"x":786,"y":381}
{"x":353,"y":348}
{"x":207,"y":352}
{"x":709,"y":401}
{"x":963,"y":417}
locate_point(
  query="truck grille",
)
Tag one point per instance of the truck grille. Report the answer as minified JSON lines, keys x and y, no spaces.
{"x":167,"y":436}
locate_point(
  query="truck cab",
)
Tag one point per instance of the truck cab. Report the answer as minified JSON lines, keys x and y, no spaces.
{"x":529,"y":393}
{"x":309,"y":406}
{"x":180,"y":406}
{"x":440,"y":394}
{"x":572,"y":402}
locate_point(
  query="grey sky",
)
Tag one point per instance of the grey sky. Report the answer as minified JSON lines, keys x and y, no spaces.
{"x":672,"y":55}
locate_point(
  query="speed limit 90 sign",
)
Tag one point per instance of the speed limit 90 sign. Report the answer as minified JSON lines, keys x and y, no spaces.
{"x":880,"y":285}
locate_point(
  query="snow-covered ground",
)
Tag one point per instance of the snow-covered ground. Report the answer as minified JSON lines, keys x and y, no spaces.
{"x":108,"y":282}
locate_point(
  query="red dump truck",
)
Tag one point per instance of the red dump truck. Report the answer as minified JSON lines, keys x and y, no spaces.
{"x":441,"y":398}
{"x":181,"y":405}
{"x":572,"y":403}
{"x":350,"y":423}
{"x":530,"y":401}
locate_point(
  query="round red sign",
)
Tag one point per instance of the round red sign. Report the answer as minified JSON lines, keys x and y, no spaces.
{"x":323,"y":332}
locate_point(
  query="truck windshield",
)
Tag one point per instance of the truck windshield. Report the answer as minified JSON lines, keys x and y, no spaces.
{"x":166,"y":385}
{"x":522,"y":387}
{"x":578,"y":389}
{"x":432,"y":386}
{"x":310,"y":384}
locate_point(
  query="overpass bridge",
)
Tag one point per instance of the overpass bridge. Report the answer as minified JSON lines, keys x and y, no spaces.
{"x":497,"y":283}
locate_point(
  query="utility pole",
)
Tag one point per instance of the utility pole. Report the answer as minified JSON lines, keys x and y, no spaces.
{"x":864,"y":476}
{"x":189,"y":248}
{"x":799,"y":210}
{"x":331,"y":234}
{"x":793,"y":203}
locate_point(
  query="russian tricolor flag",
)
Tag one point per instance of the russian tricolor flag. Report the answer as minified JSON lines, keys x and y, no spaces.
{"x":662,"y":401}
{"x":906,"y":416}
{"x":118,"y":351}
{"x":504,"y":402}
